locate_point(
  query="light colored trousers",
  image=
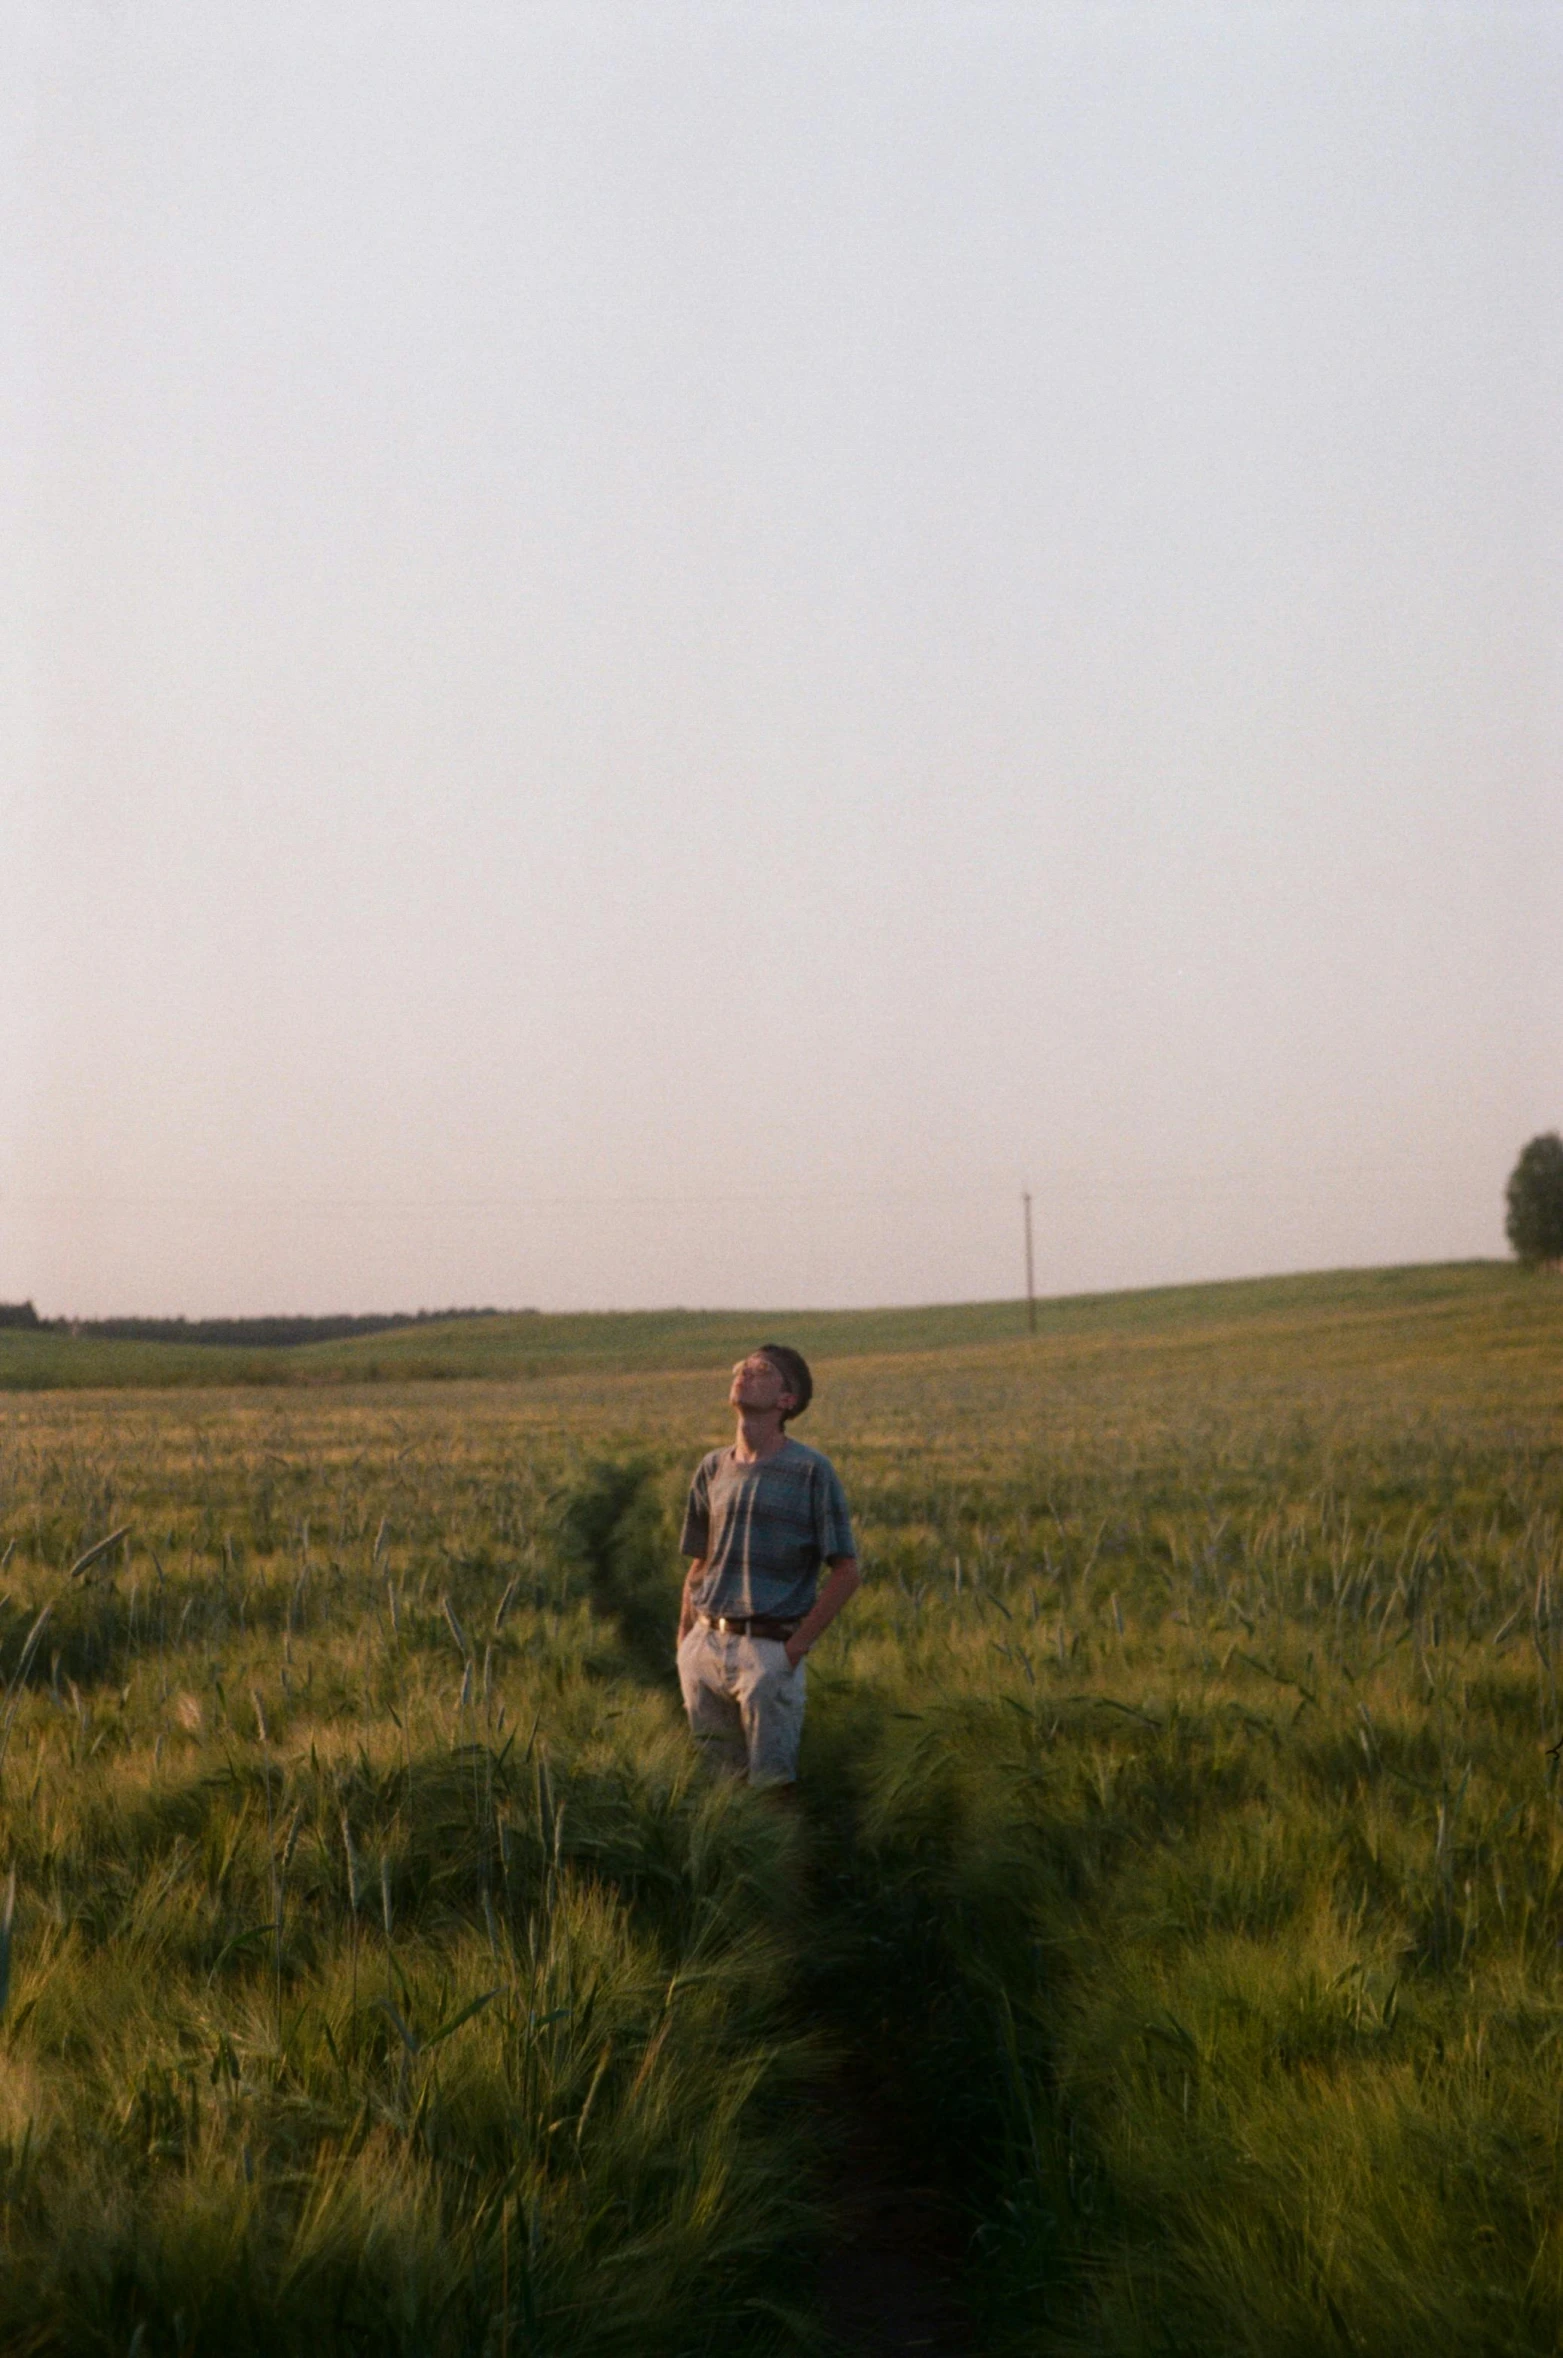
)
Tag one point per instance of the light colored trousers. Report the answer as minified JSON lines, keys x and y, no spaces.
{"x":745,"y":1704}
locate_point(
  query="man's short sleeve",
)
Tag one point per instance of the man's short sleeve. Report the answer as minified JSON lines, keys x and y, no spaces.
{"x":833,"y":1524}
{"x":695,"y":1538}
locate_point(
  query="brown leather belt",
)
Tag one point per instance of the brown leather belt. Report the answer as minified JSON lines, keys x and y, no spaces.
{"x":758,"y":1625}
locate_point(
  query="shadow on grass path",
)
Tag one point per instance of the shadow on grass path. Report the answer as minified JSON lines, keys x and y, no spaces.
{"x":890,"y":2278}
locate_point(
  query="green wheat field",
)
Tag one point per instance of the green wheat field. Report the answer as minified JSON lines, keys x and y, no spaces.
{"x":1182,"y":1834}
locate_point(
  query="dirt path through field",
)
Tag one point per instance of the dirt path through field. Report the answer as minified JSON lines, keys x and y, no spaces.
{"x":890,"y":2282}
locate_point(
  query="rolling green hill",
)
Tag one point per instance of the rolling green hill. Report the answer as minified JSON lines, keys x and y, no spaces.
{"x":1455,"y":1305}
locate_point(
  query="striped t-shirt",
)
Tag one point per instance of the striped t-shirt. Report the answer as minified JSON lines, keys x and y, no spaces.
{"x":764,"y":1530}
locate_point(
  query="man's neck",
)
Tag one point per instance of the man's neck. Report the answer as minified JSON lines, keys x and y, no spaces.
{"x":758,"y":1437}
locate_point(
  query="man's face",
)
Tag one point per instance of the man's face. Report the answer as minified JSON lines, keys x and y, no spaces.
{"x":758,"y":1383}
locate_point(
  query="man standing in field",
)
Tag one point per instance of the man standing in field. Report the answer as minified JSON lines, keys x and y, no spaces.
{"x":762,"y":1518}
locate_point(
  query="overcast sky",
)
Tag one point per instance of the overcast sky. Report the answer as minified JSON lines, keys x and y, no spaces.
{"x":655,"y":653}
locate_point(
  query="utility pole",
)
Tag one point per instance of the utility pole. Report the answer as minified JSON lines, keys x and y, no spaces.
{"x":1031,"y":1275}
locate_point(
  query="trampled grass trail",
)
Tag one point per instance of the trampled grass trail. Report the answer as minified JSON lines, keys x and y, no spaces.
{"x":1182,"y":1850}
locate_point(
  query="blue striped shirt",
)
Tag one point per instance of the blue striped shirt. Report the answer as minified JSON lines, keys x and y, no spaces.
{"x":764,"y":1530}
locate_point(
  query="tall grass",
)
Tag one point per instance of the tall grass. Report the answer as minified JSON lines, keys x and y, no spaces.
{"x":379,"y":1978}
{"x":1183,"y":1847}
{"x":1209,"y":1861}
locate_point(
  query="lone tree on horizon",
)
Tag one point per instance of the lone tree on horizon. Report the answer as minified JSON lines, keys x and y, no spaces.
{"x":1535,"y":1197}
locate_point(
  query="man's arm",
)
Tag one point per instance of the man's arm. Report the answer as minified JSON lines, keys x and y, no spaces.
{"x":686,"y":1610}
{"x":844,"y":1579}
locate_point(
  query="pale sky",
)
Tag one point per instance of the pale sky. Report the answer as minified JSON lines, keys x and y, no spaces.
{"x":654,"y":653}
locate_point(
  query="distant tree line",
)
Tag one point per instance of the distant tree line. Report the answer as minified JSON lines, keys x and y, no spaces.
{"x":249,"y":1332}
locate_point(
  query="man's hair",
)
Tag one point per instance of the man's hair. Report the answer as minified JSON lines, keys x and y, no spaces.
{"x":793,"y":1369}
